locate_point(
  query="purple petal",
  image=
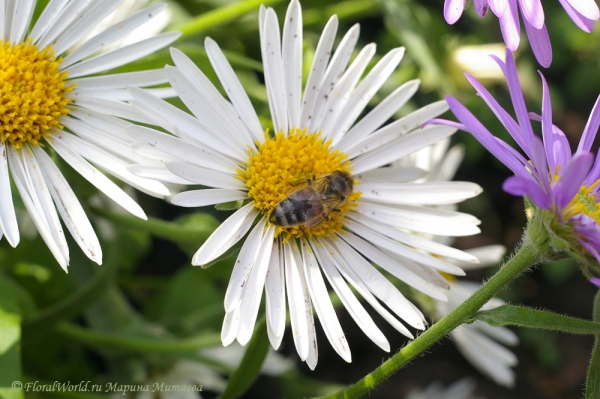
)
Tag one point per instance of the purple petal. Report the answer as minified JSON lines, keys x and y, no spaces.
{"x":482,"y":7}
{"x":547,"y":123}
{"x":591,"y":129}
{"x":571,"y":178}
{"x":509,"y":123}
{"x":490,"y":142}
{"x":498,"y":7}
{"x":588,"y":228}
{"x":590,"y":248}
{"x":595,"y":281}
{"x":587,"y":8}
{"x":540,"y":44}
{"x":453,"y":9}
{"x":533,"y":12}
{"x":595,"y":172}
{"x":585,"y":24}
{"x":540,"y":163}
{"x":509,"y":24}
{"x":561,"y":150}
{"x":439,"y":121}
{"x":514,"y":87}
{"x":521,"y":186}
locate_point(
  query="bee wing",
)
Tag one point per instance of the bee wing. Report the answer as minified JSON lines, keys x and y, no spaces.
{"x":320,"y":209}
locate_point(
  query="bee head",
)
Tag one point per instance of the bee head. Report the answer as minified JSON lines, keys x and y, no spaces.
{"x":341,"y":182}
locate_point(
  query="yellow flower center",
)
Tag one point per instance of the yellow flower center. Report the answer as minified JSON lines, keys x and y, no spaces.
{"x":585,"y":202}
{"x":283,"y":164}
{"x":33,"y":93}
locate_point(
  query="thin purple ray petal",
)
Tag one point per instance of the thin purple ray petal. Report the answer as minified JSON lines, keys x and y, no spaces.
{"x":509,"y":24}
{"x":585,"y":24}
{"x":561,"y":149}
{"x":482,"y":7}
{"x":533,"y":12}
{"x":490,"y":142}
{"x":595,"y":281}
{"x":540,"y":44}
{"x":453,"y":9}
{"x":571,"y":178}
{"x":587,"y":8}
{"x":547,"y":123}
{"x":498,"y":7}
{"x":521,"y":186}
{"x":591,"y":129}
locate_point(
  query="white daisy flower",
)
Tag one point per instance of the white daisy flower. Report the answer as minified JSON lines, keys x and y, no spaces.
{"x":478,"y":342}
{"x":51,"y":105}
{"x":317,"y":184}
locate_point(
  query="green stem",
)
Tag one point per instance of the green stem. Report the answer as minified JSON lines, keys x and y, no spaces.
{"x":525,"y":257}
{"x":138,"y":344}
{"x":219,"y":16}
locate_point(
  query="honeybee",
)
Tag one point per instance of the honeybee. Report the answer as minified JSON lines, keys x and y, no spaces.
{"x":313,"y":200}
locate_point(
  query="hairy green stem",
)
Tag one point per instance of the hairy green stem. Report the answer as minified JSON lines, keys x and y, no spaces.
{"x":525,"y":257}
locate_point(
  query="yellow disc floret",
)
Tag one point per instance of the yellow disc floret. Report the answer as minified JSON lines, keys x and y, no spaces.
{"x":33,"y":93}
{"x":281,"y":162}
{"x":585,"y":202}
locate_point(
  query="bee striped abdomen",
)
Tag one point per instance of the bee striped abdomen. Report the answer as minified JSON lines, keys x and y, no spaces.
{"x":288,"y":212}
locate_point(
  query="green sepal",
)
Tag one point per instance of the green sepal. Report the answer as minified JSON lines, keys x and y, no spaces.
{"x":592,"y":383}
{"x":249,"y":368}
{"x":539,"y":319}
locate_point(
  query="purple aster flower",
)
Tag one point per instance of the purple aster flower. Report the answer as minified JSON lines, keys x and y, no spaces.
{"x":582,"y":12}
{"x":563,"y":187}
{"x":595,"y":281}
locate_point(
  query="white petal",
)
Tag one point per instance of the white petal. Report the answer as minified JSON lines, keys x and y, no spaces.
{"x":4,"y":20}
{"x":342,"y":92}
{"x":356,"y":310}
{"x":375,"y":254}
{"x":212,"y":112}
{"x":195,"y":198}
{"x":160,"y":173}
{"x":317,"y":71}
{"x":99,"y":180}
{"x":500,"y":334}
{"x":123,"y":94}
{"x":254,"y":287}
{"x":322,"y":303}
{"x":113,"y":108}
{"x":21,"y":19}
{"x":149,"y":77}
{"x":233,"y":88}
{"x":379,"y":115}
{"x":391,"y":174}
{"x":421,"y":219}
{"x":113,"y":33}
{"x":430,"y":193}
{"x":115,"y":127}
{"x":426,"y":273}
{"x":8,"y":218}
{"x":231,"y":324}
{"x":73,"y":11}
{"x":183,"y":124}
{"x":271,"y":54}
{"x":69,"y":207}
{"x":301,"y":316}
{"x":206,"y":177}
{"x":365,"y":90}
{"x":394,"y":130}
{"x":243,"y":266}
{"x":183,"y":150}
{"x":291,"y":60}
{"x":346,"y":262}
{"x":334,"y":71}
{"x":46,"y":19}
{"x":122,"y":56}
{"x":445,"y":169}
{"x":400,"y":147}
{"x":275,"y":297}
{"x":79,"y":29}
{"x":384,"y":242}
{"x":489,"y":255}
{"x":104,"y":141}
{"x":226,"y":235}
{"x":50,"y":230}
{"x":110,"y":163}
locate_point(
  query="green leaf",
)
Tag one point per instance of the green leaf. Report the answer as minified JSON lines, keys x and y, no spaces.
{"x":250,"y":366}
{"x":10,"y":355}
{"x":539,"y":319}
{"x":592,"y":383}
{"x":14,"y":298}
